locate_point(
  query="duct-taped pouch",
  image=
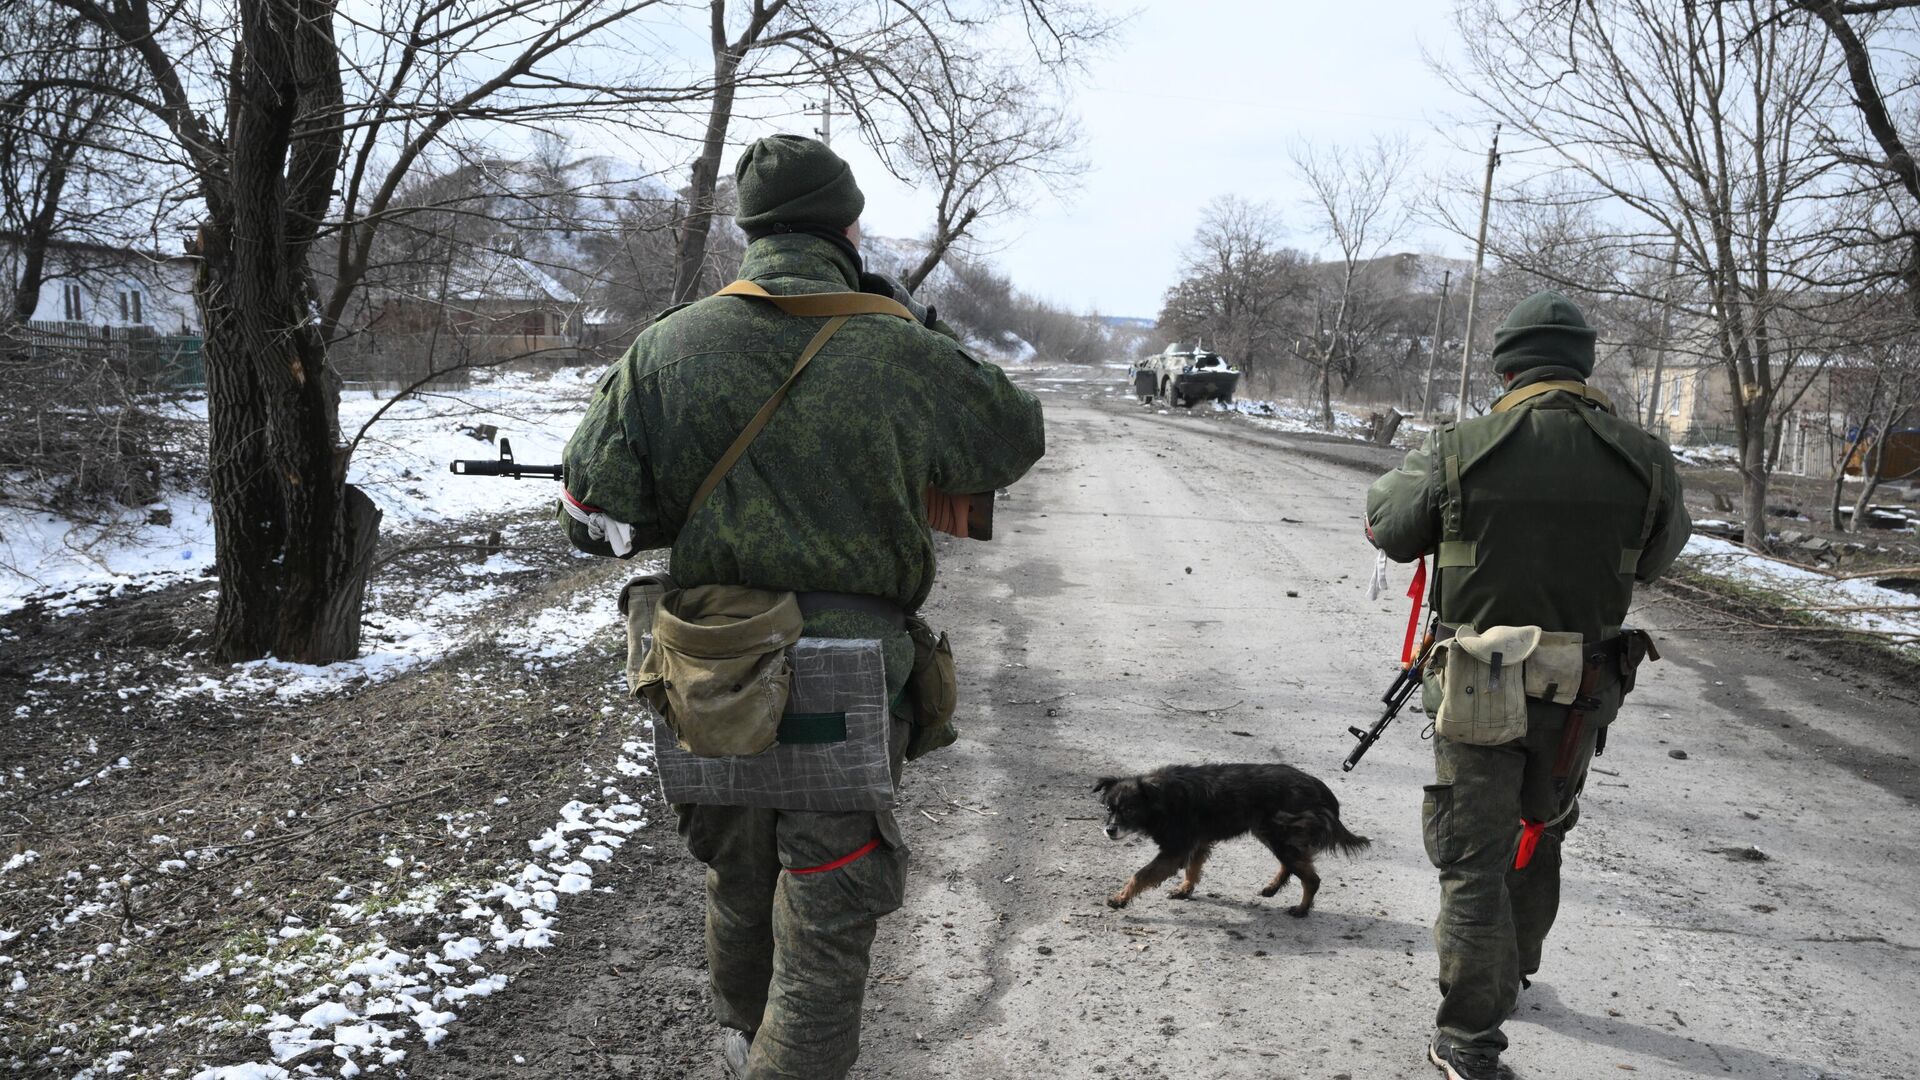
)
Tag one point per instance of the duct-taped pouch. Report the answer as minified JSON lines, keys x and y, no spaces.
{"x":1483,"y":694}
{"x":718,"y":671}
{"x":933,"y":690}
{"x":1555,"y":669}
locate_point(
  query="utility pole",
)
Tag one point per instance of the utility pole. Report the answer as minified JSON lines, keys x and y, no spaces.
{"x":1433,"y":352}
{"x":1479,"y":259}
{"x":825,"y":130}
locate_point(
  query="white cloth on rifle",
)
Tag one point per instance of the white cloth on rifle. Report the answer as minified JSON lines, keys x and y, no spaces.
{"x":1378,"y":585}
{"x":617,"y":534}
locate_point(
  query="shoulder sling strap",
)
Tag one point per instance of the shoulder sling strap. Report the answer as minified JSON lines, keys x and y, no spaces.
{"x":839,"y":306}
{"x":1513,"y":398}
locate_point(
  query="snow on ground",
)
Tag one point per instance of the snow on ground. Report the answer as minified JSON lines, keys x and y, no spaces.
{"x":1296,"y":418}
{"x":1856,"y":604}
{"x":401,"y":464}
{"x":1708,"y":457}
{"x":371,"y":1003}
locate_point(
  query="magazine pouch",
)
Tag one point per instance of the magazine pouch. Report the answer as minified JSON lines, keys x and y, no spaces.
{"x":1482,"y":684}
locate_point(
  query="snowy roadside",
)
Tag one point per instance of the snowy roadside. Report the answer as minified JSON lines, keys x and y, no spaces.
{"x":401,"y":464}
{"x":1855,"y":604}
{"x":151,"y":949}
{"x":402,"y":943}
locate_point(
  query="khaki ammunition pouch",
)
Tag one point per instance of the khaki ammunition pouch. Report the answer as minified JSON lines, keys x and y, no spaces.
{"x":1555,"y":668}
{"x":933,"y":690}
{"x":718,"y":671}
{"x":1483,"y":684}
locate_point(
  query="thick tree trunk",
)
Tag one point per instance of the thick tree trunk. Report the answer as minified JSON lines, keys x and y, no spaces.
{"x":293,"y":542}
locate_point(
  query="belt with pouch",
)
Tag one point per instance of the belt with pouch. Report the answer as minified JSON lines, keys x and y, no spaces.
{"x":1602,"y":654}
{"x":877,"y":607}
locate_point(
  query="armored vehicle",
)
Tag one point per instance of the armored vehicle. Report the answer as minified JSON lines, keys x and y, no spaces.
{"x":1189,"y":375}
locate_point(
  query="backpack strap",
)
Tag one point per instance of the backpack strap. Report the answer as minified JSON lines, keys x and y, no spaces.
{"x":1454,"y":549}
{"x":1630,"y":557}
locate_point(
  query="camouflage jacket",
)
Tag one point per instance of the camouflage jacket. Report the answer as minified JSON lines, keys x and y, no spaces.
{"x":830,"y":497}
{"x":1562,"y":507}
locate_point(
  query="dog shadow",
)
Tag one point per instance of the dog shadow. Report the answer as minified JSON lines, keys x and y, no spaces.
{"x":1540,"y":1005}
{"x":1260,"y":922}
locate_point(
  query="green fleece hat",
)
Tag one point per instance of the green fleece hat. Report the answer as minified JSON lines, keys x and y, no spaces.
{"x":1544,"y":330}
{"x":794,"y":180}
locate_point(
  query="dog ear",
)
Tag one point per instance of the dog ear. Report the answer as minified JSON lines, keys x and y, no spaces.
{"x":1104,"y":783}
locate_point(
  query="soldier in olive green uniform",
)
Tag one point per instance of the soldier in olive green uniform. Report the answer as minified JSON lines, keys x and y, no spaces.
{"x":827,"y":502}
{"x":1542,"y":513}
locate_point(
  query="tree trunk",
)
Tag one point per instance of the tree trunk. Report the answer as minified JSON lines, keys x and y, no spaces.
{"x":1326,"y":392}
{"x":294,"y":543}
{"x":1869,"y":483}
{"x":690,"y":244}
{"x":1753,"y":478}
{"x":943,"y":241}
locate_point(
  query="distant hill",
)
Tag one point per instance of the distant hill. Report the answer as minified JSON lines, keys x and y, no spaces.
{"x":1127,"y":322}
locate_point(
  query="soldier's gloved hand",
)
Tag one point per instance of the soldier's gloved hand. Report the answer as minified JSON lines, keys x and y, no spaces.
{"x":882,"y":285}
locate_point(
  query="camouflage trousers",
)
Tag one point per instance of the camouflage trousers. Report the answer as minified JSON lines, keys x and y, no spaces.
{"x":1494,"y":919}
{"x":790,"y":925}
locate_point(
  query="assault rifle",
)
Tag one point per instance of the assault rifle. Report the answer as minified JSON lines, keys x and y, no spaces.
{"x":1395,"y":699}
{"x":506,"y":466}
{"x":968,"y":516}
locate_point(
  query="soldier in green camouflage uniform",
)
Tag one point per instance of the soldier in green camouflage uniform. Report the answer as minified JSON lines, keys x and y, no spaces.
{"x":1542,"y":513}
{"x":829,"y":498}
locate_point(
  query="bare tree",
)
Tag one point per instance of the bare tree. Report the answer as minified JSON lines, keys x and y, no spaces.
{"x":1358,"y":207}
{"x":988,"y":137}
{"x":1235,"y":281}
{"x":61,"y":180}
{"x":299,"y":123}
{"x":905,"y":73}
{"x":1694,"y":124}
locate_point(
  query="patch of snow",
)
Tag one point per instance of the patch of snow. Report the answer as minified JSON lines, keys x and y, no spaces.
{"x":1801,"y":588}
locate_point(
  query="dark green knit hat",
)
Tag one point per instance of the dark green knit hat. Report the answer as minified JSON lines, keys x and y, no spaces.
{"x":1544,"y":330}
{"x":794,"y":180}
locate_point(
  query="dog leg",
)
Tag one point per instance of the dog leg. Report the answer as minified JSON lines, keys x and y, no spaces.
{"x":1279,"y":881}
{"x":1194,"y":862}
{"x":1309,"y":884}
{"x":1160,"y":869}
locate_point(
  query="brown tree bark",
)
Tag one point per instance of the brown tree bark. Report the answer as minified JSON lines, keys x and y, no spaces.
{"x":690,"y":242}
{"x":294,"y":541}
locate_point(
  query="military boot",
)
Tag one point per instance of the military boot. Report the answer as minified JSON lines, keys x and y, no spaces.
{"x":1461,"y":1064}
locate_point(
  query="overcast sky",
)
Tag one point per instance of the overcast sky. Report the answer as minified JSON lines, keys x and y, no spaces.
{"x":1203,"y":98}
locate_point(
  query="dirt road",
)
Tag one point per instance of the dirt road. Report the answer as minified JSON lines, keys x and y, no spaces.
{"x":1160,"y":592}
{"x":1136,"y":610}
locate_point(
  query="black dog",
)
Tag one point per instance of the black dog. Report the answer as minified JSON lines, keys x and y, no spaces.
{"x":1187,"y":809}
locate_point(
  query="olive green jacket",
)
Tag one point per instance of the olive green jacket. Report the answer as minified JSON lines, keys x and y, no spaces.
{"x":1563,"y":506}
{"x":830,"y":497}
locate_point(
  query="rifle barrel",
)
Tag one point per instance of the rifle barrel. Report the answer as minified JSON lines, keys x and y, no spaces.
{"x":513,"y":469}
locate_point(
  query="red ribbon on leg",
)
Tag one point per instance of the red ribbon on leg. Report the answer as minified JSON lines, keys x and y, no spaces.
{"x":1529,"y":841}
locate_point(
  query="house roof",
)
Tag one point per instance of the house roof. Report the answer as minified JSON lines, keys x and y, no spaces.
{"x":491,"y":274}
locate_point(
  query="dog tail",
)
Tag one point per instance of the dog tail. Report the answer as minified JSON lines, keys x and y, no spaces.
{"x":1339,"y":838}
